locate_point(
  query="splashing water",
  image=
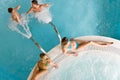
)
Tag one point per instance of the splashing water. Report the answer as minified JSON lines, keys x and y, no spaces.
{"x":44,"y":16}
{"x":23,"y":24}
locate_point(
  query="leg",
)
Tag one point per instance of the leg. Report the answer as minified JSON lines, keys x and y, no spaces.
{"x":71,"y":54}
{"x":83,"y":45}
{"x":34,"y":74}
{"x":42,"y":72}
{"x":102,"y":43}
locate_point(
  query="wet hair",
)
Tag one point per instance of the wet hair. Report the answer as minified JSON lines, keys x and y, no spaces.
{"x":42,"y":55}
{"x":10,"y":10}
{"x":64,"y":41}
{"x":34,"y":1}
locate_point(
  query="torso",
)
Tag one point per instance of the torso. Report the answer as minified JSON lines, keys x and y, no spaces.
{"x":70,"y":45}
{"x":43,"y":65}
{"x":15,"y":16}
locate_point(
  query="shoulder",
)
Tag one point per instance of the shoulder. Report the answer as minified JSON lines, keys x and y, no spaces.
{"x":73,"y":43}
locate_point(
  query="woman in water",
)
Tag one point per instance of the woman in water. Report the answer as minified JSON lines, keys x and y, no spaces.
{"x":42,"y":66}
{"x":75,"y":45}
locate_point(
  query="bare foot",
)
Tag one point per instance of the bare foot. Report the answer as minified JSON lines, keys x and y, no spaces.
{"x":108,"y":43}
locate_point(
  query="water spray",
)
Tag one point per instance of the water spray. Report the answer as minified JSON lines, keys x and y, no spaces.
{"x":55,"y":28}
{"x":38,"y":46}
{"x":14,"y":27}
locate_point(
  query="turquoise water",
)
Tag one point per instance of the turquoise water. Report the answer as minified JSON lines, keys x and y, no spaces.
{"x":73,"y":18}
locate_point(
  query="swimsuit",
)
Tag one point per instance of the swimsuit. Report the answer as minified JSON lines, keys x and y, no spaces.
{"x":46,"y":64}
{"x":77,"y":45}
{"x":70,"y":47}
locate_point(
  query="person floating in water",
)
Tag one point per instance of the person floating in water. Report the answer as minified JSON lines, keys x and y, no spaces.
{"x":14,"y":14}
{"x":75,"y":45}
{"x":36,"y":7}
{"x":42,"y":66}
{"x":21,"y":20}
{"x":41,"y":12}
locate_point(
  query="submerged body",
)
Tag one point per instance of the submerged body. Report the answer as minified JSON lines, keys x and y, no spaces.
{"x":36,"y":7}
{"x":41,"y":12}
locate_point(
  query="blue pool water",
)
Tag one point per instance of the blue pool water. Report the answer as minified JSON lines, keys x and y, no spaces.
{"x":73,"y":18}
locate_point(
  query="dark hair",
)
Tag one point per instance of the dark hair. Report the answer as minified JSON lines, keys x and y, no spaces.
{"x":42,"y":55}
{"x":34,"y":1}
{"x":64,"y":41}
{"x":10,"y":10}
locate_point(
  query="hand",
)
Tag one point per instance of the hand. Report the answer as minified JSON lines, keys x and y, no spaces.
{"x":56,"y":66}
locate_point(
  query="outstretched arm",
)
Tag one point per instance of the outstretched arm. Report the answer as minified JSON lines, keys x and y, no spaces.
{"x":53,"y":64}
{"x":66,"y":53}
{"x":45,"y":5}
{"x":17,"y":8}
{"x":30,"y":10}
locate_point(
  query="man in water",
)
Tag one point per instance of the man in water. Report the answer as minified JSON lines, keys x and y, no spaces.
{"x":42,"y":66}
{"x":14,"y":14}
{"x":36,"y":7}
{"x":17,"y":18}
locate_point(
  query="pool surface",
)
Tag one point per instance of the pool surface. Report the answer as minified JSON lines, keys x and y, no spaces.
{"x":74,"y":18}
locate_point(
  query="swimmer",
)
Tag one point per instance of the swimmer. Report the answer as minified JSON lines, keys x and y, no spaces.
{"x":75,"y":45}
{"x":42,"y":66}
{"x":14,"y":14}
{"x":37,"y":7}
{"x":18,"y":19}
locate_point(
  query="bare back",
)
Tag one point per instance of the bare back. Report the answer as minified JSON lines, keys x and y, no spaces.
{"x":16,"y":16}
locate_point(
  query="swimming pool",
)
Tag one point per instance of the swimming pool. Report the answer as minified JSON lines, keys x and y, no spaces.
{"x":73,"y":18}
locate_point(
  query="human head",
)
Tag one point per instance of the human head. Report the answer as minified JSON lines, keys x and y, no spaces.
{"x":10,"y":10}
{"x":72,"y":39}
{"x":43,"y":56}
{"x":64,"y":41}
{"x":34,"y":2}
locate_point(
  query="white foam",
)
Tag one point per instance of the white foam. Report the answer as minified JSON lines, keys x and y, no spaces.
{"x":14,"y":26}
{"x":44,"y":16}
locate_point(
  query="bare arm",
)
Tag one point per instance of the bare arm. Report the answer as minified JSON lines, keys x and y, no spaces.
{"x":67,"y":53}
{"x":73,"y":44}
{"x":45,"y":5}
{"x":53,"y":64}
{"x":64,"y":50}
{"x":17,"y":8}
{"x":30,"y":10}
